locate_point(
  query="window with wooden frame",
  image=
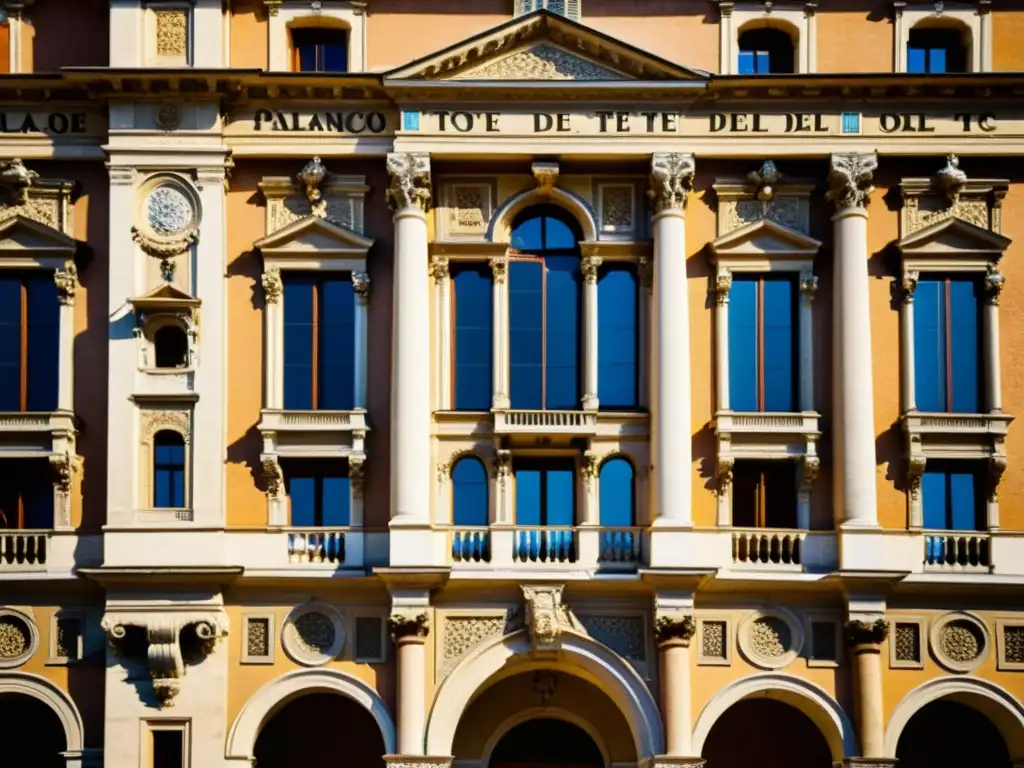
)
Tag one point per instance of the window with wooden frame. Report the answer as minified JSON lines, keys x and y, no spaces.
{"x":472,"y":335}
{"x":764,"y":494}
{"x":26,"y":494}
{"x":947,"y":344}
{"x":319,"y":341}
{"x":545,"y":492}
{"x":320,"y":49}
{"x":319,"y":493}
{"x":29,"y":341}
{"x":763,"y":343}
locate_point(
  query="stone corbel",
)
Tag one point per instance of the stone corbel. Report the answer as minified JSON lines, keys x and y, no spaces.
{"x":811,"y":465}
{"x":724,"y":474}
{"x":547,"y":617}
{"x":908,"y":285}
{"x":675,"y":627}
{"x":13,"y":174}
{"x":723,"y":284}
{"x":950,"y":180}
{"x":273,"y":474}
{"x":996,"y":467}
{"x":915,"y":469}
{"x":64,"y":466}
{"x":546,"y":175}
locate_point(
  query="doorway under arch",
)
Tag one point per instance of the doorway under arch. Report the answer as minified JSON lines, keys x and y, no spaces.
{"x":320,"y":729}
{"x":944,"y":733}
{"x":546,"y":742}
{"x":766,"y":733}
{"x":37,"y":734}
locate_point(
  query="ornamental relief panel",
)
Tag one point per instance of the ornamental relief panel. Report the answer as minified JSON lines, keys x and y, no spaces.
{"x":340,"y":210}
{"x":623,"y":634}
{"x":951,"y":193}
{"x":790,"y":212}
{"x":467,"y":209}
{"x":464,"y":633}
{"x":766,"y":194}
{"x":314,"y":191}
{"x":542,"y":62}
{"x":23,"y":193}
{"x":919,"y":213}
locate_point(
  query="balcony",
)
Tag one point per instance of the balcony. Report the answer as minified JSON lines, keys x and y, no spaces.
{"x":27,"y":434}
{"x":782,"y":549}
{"x":764,"y":434}
{"x":313,"y":434}
{"x":317,"y":545}
{"x":957,"y":552}
{"x":23,"y":550}
{"x":588,"y":547}
{"x":958,"y":435}
{"x":529,"y":422}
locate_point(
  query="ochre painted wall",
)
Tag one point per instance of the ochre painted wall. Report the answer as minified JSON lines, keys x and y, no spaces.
{"x":855,"y":37}
{"x":249,"y":34}
{"x":1007,"y":33}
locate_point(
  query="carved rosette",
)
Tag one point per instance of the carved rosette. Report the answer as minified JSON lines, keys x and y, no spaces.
{"x":361,"y":286}
{"x":674,"y":628}
{"x":407,"y":627}
{"x":410,"y":180}
{"x":671,"y":180}
{"x":67,"y":283}
{"x":860,"y":633}
{"x":849,"y":179}
{"x":273,"y":286}
{"x":588,"y":267}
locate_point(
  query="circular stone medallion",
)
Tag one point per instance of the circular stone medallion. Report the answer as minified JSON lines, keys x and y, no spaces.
{"x":168,"y":210}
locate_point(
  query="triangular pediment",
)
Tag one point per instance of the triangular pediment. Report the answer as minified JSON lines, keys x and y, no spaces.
{"x":315,"y":236}
{"x":765,"y":238}
{"x":542,"y":46}
{"x":20,"y":233}
{"x":165,"y":296}
{"x":953,"y":237}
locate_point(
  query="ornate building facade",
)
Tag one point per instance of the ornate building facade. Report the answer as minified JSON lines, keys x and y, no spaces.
{"x":560,"y":382}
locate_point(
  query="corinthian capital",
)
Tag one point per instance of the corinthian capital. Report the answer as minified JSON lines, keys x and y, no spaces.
{"x":410,"y":180}
{"x":849,"y":179}
{"x":671,"y":180}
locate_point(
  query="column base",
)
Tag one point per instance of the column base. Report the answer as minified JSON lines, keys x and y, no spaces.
{"x":672,"y":761}
{"x":417,"y":761}
{"x":867,"y":762}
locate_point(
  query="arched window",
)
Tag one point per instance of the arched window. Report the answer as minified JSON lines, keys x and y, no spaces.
{"x":765,"y":50}
{"x":168,"y":470}
{"x":320,"y":49}
{"x":936,"y":50}
{"x":471,"y":292}
{"x":617,"y":494}
{"x":171,"y":343}
{"x":469,"y":492}
{"x":617,"y":337}
{"x":544,"y":310}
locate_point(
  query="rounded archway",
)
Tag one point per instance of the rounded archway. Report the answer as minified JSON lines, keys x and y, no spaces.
{"x":766,"y":733}
{"x":967,"y":738}
{"x":24,"y":714}
{"x":546,"y":741}
{"x":315,"y":729}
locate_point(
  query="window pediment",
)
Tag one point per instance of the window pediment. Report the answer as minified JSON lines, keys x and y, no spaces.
{"x":167,"y":297}
{"x":21,"y":236}
{"x":763,"y":239}
{"x":313,"y":236}
{"x":953,"y":239}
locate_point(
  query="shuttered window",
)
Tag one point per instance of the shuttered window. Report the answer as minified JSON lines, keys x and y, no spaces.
{"x":473,"y":335}
{"x":947,"y":365}
{"x":762,"y":343}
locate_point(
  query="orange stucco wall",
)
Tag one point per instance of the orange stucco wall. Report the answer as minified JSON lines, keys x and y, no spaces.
{"x":855,"y":37}
{"x":249,"y":34}
{"x":1007,"y":33}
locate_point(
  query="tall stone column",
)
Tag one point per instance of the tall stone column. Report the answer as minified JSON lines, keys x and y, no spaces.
{"x":673,"y":633}
{"x":671,"y":181}
{"x":589,"y":265}
{"x":865,"y":641}
{"x":409,"y":195}
{"x":850,"y":189}
{"x":409,"y":633}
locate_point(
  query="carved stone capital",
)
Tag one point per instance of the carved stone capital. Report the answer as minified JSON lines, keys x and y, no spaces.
{"x":439,"y":269}
{"x":723,"y":284}
{"x":811,"y":468}
{"x":994,"y":282}
{"x":674,"y":628}
{"x":499,"y":268}
{"x":503,"y":463}
{"x":671,"y":180}
{"x":591,"y":461}
{"x":361,"y":286}
{"x":908,"y":285}
{"x":808,"y":288}
{"x":724,"y":473}
{"x":858,"y":632}
{"x":915,"y":468}
{"x":273,"y":286}
{"x":588,"y":267}
{"x":996,"y":468}
{"x":404,"y":626}
{"x":849,"y":179}
{"x":355,"y":474}
{"x":67,"y":283}
{"x":410,"y":180}
{"x":546,"y":175}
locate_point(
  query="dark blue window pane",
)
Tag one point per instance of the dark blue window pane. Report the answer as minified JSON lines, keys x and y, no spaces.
{"x":963,"y":501}
{"x":951,"y":497}
{"x":472,"y":294}
{"x":526,"y":333}
{"x":616,"y":482}
{"x":168,"y":470}
{"x":469,"y":492}
{"x":746,"y":63}
{"x":617,"y":338}
{"x":43,"y":342}
{"x":38,"y":506}
{"x":934,"y":499}
{"x":743,"y":363}
{"x":964,"y":345}
{"x":930,"y":345}
{"x":336,"y":354}
{"x":528,"y":236}
{"x":335,"y":55}
{"x":558,"y":235}
{"x":307,"y":54}
{"x":528,"y":496}
{"x":10,"y":344}
{"x":778,"y":345}
{"x":937,"y":60}
{"x":298,"y":342}
{"x":560,"y":496}
{"x":916,"y":60}
{"x":302,"y":494}
{"x":563,"y":351}
{"x":763,"y":65}
{"x":336,"y":501}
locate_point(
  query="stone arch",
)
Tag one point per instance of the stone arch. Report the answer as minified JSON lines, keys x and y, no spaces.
{"x":57,"y":700}
{"x":263,"y":704}
{"x":589,"y":659}
{"x":500,"y":228}
{"x":814,"y":701}
{"x":1000,"y":706}
{"x":548,"y":712}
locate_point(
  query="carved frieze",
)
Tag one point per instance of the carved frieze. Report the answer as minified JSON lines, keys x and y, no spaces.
{"x":623,"y":634}
{"x":23,"y":193}
{"x":314,"y":191}
{"x":172,"y":33}
{"x":542,"y":62}
{"x":410,"y":180}
{"x":463,"y":633}
{"x":951,"y":193}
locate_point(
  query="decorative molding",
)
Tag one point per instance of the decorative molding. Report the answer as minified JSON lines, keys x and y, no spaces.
{"x":624,"y":634}
{"x":857,"y":632}
{"x":588,"y":268}
{"x":273,"y":286}
{"x":849,"y":179}
{"x":547,"y":617}
{"x":408,"y":626}
{"x":542,"y":62}
{"x":994,"y":283}
{"x":439,"y":269}
{"x":273,"y":475}
{"x":19,"y":638}
{"x":771,"y":638}
{"x":410,"y":180}
{"x":468,"y":208}
{"x":674,"y":628}
{"x":17,"y":179}
{"x":171,"y":33}
{"x":546,"y":176}
{"x":258,"y":638}
{"x":715,"y":640}
{"x":671,"y":180}
{"x":311,"y":177}
{"x":907,"y":642}
{"x":313,"y":634}
{"x":765,"y":180}
{"x":950,"y":180}
{"x":361,"y":286}
{"x":67,"y":283}
{"x":340,"y":201}
{"x":499,"y":267}
{"x":960,"y":641}
{"x":950,"y":193}
{"x":723,"y":285}
{"x":463,"y":633}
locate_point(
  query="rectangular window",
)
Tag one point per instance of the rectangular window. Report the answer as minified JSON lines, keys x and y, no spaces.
{"x":762,"y":343}
{"x":472,"y":292}
{"x":947,"y":345}
{"x":26,"y":494}
{"x":936,"y":51}
{"x":617,"y":337}
{"x":168,"y":470}
{"x":545,"y":492}
{"x":319,"y":342}
{"x":29,"y":341}
{"x":168,"y":745}
{"x":320,"y":49}
{"x":764,"y":494}
{"x":951,"y":496}
{"x":319,"y":495}
{"x":754,"y":63}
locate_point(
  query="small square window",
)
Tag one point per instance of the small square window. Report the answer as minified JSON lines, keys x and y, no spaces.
{"x":824,"y":647}
{"x":905,"y":643}
{"x":370,"y":645}
{"x":258,"y":639}
{"x":713,"y":636}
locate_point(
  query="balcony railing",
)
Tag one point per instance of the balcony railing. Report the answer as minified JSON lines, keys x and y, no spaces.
{"x":545,"y":422}
{"x":611,"y":548}
{"x":545,"y":545}
{"x":954,"y":551}
{"x":471,"y":545}
{"x":619,"y":545}
{"x":22,"y":550}
{"x":316,"y":545}
{"x":768,"y":547}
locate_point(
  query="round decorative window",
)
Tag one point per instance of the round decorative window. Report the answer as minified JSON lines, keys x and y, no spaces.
{"x":313,"y":634}
{"x":168,"y":211}
{"x":19,"y":639}
{"x":960,"y":642}
{"x":771,"y":639}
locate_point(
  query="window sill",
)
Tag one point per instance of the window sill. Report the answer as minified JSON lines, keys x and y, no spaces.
{"x":313,"y":434}
{"x":531,"y":423}
{"x":29,"y":434}
{"x":766,"y":434}
{"x":961,"y":425}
